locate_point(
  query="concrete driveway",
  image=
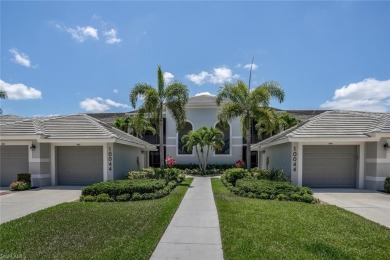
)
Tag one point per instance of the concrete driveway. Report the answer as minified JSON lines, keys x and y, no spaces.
{"x":17,"y":204}
{"x":369,"y":204}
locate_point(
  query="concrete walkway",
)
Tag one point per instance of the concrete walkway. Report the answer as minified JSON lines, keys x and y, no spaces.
{"x":194,"y":230}
{"x":369,"y":204}
{"x":21,"y":203}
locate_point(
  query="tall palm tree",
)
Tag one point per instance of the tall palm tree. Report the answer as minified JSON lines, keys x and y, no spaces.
{"x":3,"y":95}
{"x":174,"y":97}
{"x":237,"y":100}
{"x":204,"y":140}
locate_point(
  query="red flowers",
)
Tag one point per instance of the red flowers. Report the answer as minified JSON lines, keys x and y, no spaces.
{"x":170,"y":162}
{"x":240,"y":164}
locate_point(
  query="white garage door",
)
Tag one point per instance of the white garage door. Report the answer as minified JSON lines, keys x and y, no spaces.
{"x":79,"y":165}
{"x":13,"y":160}
{"x":329,"y":166}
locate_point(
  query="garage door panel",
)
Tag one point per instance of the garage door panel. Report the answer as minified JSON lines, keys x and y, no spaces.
{"x":79,"y":165}
{"x":13,"y":160}
{"x":329,"y":166}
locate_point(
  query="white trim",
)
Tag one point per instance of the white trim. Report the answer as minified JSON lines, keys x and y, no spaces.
{"x":5,"y":143}
{"x":378,"y":160}
{"x":373,"y":178}
{"x":105,"y":166}
{"x":40,"y":176}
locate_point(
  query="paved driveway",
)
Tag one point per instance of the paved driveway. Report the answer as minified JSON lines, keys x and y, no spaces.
{"x":370,"y":204}
{"x":21,"y":203}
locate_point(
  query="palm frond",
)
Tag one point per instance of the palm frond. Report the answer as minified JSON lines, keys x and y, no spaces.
{"x":229,"y":111}
{"x":160,"y":81}
{"x":274,"y":90}
{"x":139,"y":90}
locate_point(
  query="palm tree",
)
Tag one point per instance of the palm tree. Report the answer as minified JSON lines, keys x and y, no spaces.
{"x":174,"y":97}
{"x":136,"y":125}
{"x":288,"y":121}
{"x":204,"y":140}
{"x":3,"y":95}
{"x":237,"y":100}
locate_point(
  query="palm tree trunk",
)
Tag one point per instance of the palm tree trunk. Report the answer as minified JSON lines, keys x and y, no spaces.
{"x":197,"y":154}
{"x":161,"y":133}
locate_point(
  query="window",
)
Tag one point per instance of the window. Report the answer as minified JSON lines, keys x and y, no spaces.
{"x":183,"y":131}
{"x":226,"y":133}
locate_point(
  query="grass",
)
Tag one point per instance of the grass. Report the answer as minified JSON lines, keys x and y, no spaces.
{"x":112,"y":230}
{"x":267,"y":229}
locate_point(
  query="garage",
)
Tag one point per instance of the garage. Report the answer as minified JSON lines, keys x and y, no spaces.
{"x":331,"y":166}
{"x":13,"y":160}
{"x":79,"y":165}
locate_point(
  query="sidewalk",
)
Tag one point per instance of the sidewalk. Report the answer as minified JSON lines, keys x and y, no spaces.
{"x":194,"y":230}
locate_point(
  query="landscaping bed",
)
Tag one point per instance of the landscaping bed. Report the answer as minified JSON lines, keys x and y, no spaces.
{"x":270,"y":229}
{"x":264,"y":184}
{"x":76,"y":230}
{"x":141,"y":185}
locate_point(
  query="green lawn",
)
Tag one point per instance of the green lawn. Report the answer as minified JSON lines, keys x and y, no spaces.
{"x":266,"y":229}
{"x":112,"y":230}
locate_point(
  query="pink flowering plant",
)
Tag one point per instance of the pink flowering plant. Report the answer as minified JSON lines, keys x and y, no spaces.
{"x":170,"y":161}
{"x":240,"y":164}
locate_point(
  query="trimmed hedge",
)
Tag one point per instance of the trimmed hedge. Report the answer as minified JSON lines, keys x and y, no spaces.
{"x":266,"y":189}
{"x":232,"y":175}
{"x":168,"y":174}
{"x":119,"y":187}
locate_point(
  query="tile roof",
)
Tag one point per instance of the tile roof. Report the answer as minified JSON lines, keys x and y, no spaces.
{"x":336,"y":124}
{"x":79,"y":126}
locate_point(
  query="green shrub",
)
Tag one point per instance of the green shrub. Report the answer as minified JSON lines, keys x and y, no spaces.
{"x":20,"y":185}
{"x":123,"y":197}
{"x":233,"y":175}
{"x":88,"y":198}
{"x":103,"y":197}
{"x":273,"y":175}
{"x":266,"y":189}
{"x":146,"y":173}
{"x":169,"y":174}
{"x":191,"y":166}
{"x":136,"y":196}
{"x":119,"y":187}
{"x":386,"y":186}
{"x":25,"y":177}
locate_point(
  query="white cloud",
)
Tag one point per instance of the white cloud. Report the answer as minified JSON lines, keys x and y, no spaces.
{"x":198,"y":79}
{"x":222,"y":75}
{"x":115,"y":104}
{"x":80,"y":33}
{"x":204,"y":94}
{"x":20,"y":58}
{"x":19,"y":91}
{"x":248,"y":66}
{"x":111,"y":36}
{"x":367,"y":95}
{"x":99,"y":104}
{"x":168,"y":77}
{"x":115,"y":91}
{"x":238,"y":65}
{"x":218,"y":76}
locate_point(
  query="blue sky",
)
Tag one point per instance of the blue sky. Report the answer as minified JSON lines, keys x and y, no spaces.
{"x":75,"y":57}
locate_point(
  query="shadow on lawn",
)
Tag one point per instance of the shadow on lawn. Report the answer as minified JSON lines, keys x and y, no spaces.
{"x":327,"y":251}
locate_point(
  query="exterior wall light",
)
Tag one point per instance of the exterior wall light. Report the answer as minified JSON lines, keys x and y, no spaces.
{"x":32,"y":147}
{"x":386,"y":146}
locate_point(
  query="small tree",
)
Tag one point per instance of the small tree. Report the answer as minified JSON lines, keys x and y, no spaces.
{"x":137,"y":125}
{"x":204,"y":140}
